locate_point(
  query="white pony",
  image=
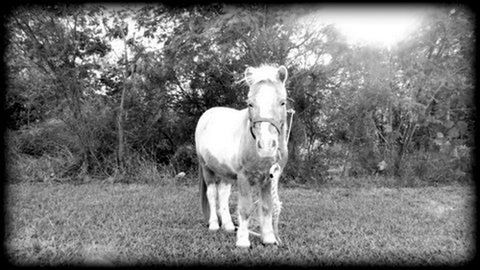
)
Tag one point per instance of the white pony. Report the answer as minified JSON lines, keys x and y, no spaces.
{"x":245,"y":146}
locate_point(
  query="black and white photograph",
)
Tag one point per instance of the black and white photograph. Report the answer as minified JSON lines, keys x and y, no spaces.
{"x":239,"y":134}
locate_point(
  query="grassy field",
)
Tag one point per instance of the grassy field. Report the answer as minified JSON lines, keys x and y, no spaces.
{"x":151,"y":224}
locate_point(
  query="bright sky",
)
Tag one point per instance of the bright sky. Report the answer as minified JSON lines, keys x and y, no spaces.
{"x":375,"y":25}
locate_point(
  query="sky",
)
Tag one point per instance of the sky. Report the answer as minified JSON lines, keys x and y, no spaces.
{"x":372,"y":25}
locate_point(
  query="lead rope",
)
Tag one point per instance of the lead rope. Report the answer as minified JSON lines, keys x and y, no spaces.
{"x":292,"y":112}
{"x":275,"y":172}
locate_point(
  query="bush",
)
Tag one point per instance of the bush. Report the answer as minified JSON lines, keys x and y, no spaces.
{"x":310,"y":170}
{"x":46,"y":138}
{"x":21,"y":167}
{"x":364,"y":160}
{"x":185,"y":159}
{"x":433,"y":168}
{"x":53,"y":139}
{"x":139,"y":169}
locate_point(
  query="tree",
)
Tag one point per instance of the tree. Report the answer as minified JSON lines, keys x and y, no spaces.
{"x":61,"y":41}
{"x":435,"y":77}
{"x":175,"y":63}
{"x":393,"y":99}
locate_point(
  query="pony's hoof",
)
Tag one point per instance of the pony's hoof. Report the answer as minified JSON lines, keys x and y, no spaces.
{"x":213,"y":226}
{"x":269,"y":239}
{"x":243,"y":243}
{"x":229,"y":227}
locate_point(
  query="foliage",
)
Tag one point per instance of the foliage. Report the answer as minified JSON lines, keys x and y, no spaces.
{"x":185,"y":159}
{"x":313,"y":170}
{"x":140,"y":103}
{"x":439,"y":168}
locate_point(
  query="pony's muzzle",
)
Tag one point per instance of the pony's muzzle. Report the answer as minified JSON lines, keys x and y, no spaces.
{"x":266,"y":140}
{"x":267,"y":147}
{"x":261,"y":144}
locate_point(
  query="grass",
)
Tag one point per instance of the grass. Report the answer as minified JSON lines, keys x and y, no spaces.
{"x":119,"y":224}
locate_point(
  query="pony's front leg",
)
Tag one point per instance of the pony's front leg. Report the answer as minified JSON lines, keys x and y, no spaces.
{"x":245,"y":206}
{"x":265,"y":215}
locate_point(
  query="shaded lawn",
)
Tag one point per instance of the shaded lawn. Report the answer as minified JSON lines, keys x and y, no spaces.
{"x":150,"y":224}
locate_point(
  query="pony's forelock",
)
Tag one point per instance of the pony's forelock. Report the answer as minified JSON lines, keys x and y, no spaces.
{"x":262,"y":73}
{"x":241,"y":81}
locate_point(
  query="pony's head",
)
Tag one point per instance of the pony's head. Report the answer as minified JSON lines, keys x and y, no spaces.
{"x":267,"y":106}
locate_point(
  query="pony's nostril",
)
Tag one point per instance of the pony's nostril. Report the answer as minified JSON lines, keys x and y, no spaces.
{"x":259,"y":144}
{"x":274,"y":143}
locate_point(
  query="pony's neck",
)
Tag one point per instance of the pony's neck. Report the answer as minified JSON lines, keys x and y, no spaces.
{"x":247,"y":134}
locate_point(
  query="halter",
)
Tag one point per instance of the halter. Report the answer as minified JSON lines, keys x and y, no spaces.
{"x":277,"y":124}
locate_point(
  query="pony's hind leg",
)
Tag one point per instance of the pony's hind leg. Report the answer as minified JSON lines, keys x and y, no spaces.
{"x":211,"y":194}
{"x":224,"y":190}
{"x":212,"y":201}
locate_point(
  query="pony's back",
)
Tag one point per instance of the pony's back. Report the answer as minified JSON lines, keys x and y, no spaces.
{"x":218,"y":132}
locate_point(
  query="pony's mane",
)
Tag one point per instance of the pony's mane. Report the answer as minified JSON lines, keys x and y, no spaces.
{"x":262,"y":73}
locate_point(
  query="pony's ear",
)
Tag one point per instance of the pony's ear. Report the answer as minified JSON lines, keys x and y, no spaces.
{"x":248,"y":75}
{"x":282,"y":74}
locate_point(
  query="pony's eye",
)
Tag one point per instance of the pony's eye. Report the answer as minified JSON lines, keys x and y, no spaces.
{"x":250,"y":105}
{"x":282,"y":103}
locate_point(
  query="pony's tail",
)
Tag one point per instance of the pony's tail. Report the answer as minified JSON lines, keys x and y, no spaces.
{"x":203,"y":193}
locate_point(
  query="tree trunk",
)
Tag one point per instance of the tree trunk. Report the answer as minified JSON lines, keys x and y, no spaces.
{"x":404,"y":146}
{"x":79,"y":124}
{"x":120,"y":116}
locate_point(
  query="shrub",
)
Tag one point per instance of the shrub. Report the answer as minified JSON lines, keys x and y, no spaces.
{"x":142,"y":170}
{"x":46,"y":138}
{"x":364,"y":160}
{"x":437,"y":168}
{"x":308,"y":169}
{"x":184,"y":159}
{"x":54,"y":139}
{"x":21,"y":167}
